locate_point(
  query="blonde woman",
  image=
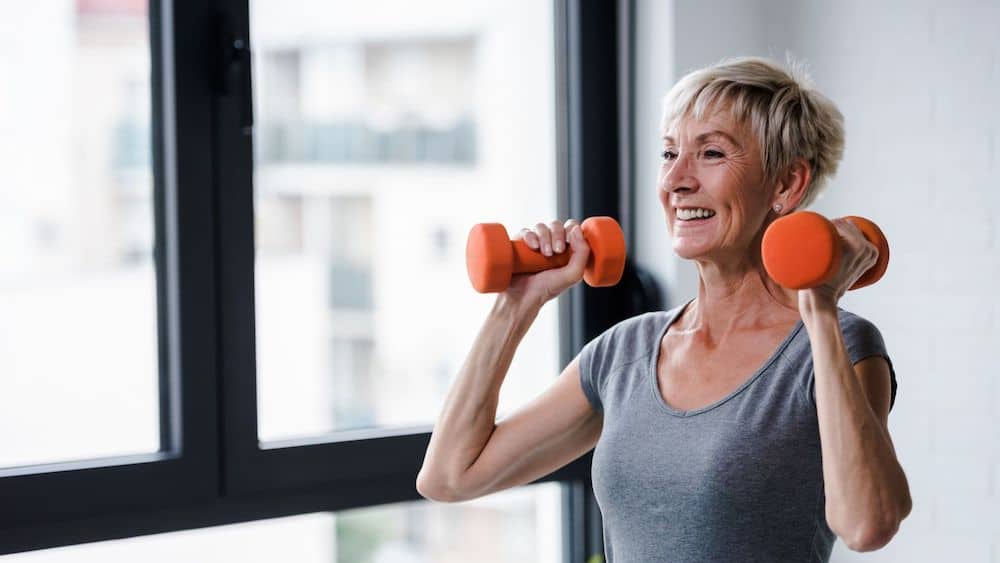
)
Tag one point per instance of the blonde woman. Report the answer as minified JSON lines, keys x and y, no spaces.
{"x":750,"y":423}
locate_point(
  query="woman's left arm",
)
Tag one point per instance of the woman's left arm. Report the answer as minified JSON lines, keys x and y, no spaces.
{"x":867,"y":494}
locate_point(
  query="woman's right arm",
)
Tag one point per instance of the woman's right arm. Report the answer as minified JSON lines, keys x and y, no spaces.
{"x":470,"y":454}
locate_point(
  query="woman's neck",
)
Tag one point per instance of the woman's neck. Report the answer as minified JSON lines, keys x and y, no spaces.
{"x":734,"y":297}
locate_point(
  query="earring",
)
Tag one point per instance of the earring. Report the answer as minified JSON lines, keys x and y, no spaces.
{"x":777,"y":208}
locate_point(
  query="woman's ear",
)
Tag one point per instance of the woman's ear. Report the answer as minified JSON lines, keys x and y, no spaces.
{"x":794,"y":184}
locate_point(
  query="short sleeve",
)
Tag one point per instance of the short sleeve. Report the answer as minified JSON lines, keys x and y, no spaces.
{"x":593,"y":355}
{"x":864,"y":340}
{"x":604,"y":357}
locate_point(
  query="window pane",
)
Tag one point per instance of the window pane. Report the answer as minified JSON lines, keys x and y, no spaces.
{"x":379,"y":143}
{"x":78,"y":334}
{"x":522,"y":524}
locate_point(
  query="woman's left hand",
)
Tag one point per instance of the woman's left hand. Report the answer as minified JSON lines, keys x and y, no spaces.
{"x":857,"y":257}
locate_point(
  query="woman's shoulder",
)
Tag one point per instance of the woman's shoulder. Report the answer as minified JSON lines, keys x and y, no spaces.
{"x":863,"y":340}
{"x":647,"y":323}
{"x":623,"y":344}
{"x":846,"y":316}
{"x":630,"y":338}
{"x":853,"y":324}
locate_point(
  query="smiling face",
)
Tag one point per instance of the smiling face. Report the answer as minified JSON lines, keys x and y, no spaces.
{"x":710,"y":186}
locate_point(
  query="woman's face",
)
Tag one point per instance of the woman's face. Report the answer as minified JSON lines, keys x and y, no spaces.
{"x":710,"y":187}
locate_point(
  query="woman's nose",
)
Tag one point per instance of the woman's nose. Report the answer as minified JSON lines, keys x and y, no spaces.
{"x":679,"y":175}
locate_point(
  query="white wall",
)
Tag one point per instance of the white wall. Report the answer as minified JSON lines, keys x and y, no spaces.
{"x":917,"y":84}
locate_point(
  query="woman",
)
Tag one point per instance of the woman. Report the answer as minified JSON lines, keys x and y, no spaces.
{"x":749,"y":424}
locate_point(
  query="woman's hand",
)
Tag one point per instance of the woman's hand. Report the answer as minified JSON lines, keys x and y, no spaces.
{"x":857,"y":256}
{"x":552,"y":238}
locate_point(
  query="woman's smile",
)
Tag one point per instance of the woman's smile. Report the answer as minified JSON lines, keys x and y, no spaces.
{"x":693,"y":218}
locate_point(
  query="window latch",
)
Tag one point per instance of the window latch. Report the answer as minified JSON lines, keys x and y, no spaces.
{"x":233,"y":72}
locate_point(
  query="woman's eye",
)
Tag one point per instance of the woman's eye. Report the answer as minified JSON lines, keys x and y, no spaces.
{"x":671,"y":155}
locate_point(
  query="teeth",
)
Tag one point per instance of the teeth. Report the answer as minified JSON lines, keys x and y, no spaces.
{"x":699,"y":213}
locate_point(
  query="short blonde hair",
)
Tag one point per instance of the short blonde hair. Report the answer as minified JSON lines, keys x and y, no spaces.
{"x":789,"y":117}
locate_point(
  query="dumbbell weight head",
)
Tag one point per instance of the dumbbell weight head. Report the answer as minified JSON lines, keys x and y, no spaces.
{"x":607,"y":251}
{"x":802,"y":250}
{"x":489,"y":257}
{"x":876,"y":237}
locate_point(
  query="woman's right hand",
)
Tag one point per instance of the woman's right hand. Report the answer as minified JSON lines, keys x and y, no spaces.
{"x":551,"y":239}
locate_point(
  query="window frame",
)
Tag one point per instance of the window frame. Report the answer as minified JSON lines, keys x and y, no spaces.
{"x":213,"y":471}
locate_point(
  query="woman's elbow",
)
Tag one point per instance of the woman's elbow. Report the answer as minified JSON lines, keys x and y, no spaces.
{"x":436,"y":490}
{"x":429,"y":490}
{"x":870,"y":539}
{"x":874,"y":536}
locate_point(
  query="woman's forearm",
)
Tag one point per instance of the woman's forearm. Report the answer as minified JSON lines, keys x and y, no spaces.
{"x":866,"y":491}
{"x":468,"y":417}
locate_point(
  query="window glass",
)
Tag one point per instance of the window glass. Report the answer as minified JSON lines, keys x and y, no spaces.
{"x":379,"y":142}
{"x":78,"y":327}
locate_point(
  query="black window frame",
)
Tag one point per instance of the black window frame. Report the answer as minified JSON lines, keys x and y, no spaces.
{"x":212,"y":470}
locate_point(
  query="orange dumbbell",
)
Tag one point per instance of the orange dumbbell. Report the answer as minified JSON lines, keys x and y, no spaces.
{"x":492,"y":258}
{"x":802,"y":250}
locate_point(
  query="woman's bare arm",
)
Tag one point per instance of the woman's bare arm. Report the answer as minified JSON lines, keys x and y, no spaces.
{"x":867,"y":494}
{"x":470,"y":455}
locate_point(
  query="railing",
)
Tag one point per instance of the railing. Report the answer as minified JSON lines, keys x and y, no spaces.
{"x":338,"y":142}
{"x":356,"y":142}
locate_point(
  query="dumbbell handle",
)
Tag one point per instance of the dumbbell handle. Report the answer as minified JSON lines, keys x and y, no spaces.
{"x":527,"y":260}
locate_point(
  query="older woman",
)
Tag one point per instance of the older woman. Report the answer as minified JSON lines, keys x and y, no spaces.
{"x":750,"y":423}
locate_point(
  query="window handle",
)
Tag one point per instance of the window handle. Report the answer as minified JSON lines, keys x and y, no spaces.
{"x":234,"y":72}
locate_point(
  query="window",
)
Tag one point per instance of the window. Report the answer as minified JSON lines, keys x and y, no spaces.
{"x":232,"y":281}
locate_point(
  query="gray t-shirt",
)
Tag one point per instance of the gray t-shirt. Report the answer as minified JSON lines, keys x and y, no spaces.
{"x":738,"y":480}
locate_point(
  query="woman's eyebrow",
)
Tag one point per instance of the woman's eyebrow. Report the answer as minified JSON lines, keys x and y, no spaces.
{"x":704,"y":136}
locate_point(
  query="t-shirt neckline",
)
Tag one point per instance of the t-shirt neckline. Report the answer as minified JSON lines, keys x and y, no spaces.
{"x":655,"y":358}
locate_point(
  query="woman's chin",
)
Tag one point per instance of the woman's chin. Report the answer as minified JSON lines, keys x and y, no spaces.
{"x":684,"y":249}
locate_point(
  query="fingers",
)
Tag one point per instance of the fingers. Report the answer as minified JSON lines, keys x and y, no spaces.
{"x":544,"y":238}
{"x":558,"y":235}
{"x":530,"y":238}
{"x":581,"y":250}
{"x":865,"y":251}
{"x":550,"y":238}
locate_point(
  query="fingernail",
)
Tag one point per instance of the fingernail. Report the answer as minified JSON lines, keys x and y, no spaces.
{"x":547,"y":250}
{"x":558,"y":245}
